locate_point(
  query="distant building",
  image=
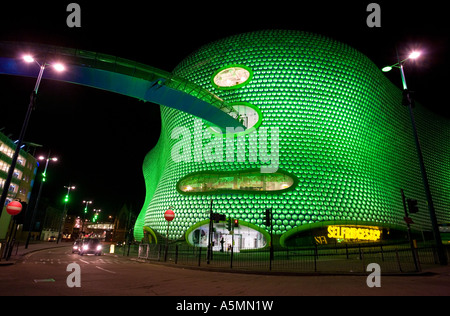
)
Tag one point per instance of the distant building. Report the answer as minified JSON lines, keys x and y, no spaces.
{"x":22,"y":181}
{"x":50,"y":223}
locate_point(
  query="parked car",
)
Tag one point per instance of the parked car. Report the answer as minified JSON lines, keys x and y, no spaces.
{"x":91,"y":246}
{"x":77,"y":245}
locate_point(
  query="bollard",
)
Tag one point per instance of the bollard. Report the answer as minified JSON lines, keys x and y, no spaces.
{"x":398,"y":260}
{"x":231,"y":259}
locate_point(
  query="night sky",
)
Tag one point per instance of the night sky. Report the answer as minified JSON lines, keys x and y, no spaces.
{"x":102,"y":138}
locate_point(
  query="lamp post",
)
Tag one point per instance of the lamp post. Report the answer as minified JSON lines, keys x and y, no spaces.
{"x":96,"y":211}
{"x":84,"y":213}
{"x":408,"y":102}
{"x":44,"y":175}
{"x":29,"y":59}
{"x":66,"y":199}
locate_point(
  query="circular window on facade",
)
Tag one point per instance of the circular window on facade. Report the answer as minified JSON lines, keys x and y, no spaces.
{"x":232,"y":77}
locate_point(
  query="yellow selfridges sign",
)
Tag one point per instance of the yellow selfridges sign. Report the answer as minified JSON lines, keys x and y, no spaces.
{"x":354,"y":232}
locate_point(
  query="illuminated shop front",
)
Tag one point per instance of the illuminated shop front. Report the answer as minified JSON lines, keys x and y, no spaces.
{"x":325,"y":118}
{"x":241,"y":237}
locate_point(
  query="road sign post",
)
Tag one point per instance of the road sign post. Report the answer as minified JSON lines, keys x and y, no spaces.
{"x":169,"y":215}
{"x":210,"y":228}
{"x":13,"y":208}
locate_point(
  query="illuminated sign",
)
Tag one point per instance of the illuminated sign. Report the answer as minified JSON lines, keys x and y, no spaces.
{"x":320,"y":240}
{"x":354,"y":232}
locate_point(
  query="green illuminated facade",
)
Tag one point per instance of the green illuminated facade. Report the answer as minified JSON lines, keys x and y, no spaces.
{"x":344,"y":148}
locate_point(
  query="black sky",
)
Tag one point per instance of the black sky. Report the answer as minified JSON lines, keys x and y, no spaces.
{"x":102,"y":138}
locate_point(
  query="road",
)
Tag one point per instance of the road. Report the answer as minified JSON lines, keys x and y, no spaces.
{"x":47,"y":273}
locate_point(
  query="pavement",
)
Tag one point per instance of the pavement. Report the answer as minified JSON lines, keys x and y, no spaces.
{"x":19,"y":252}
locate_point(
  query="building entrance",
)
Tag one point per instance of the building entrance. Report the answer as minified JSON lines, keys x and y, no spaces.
{"x":222,"y":239}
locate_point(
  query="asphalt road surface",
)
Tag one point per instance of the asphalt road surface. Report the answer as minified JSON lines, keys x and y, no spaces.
{"x":56,"y":272}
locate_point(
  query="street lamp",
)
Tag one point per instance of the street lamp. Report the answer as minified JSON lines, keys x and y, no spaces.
{"x":84,"y":213}
{"x":85,"y":208}
{"x":66,"y":199}
{"x":29,"y":59}
{"x":96,"y":211}
{"x":408,"y":102}
{"x":44,"y":175}
{"x":413,"y":55}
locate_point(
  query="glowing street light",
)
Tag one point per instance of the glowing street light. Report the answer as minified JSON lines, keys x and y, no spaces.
{"x":59,"y":67}
{"x":412,"y":55}
{"x":66,"y":200}
{"x":86,"y":202}
{"x":29,"y":59}
{"x":386,"y":69}
{"x":85,"y":212}
{"x":407,"y":101}
{"x":96,"y":211}
{"x":44,"y":175}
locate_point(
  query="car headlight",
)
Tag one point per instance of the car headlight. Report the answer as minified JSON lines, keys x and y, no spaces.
{"x":99,"y":247}
{"x":85,"y":247}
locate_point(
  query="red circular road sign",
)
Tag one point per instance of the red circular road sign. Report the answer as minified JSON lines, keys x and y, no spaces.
{"x":14,"y":208}
{"x":169,"y":215}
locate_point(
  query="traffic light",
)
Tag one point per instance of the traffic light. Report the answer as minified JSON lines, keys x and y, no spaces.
{"x":229,"y":223}
{"x":408,"y":98}
{"x":412,"y":206}
{"x":66,"y":199}
{"x":236,"y":222}
{"x":85,"y":210}
{"x":268,"y":217}
{"x":216,"y":217}
{"x":44,"y":176}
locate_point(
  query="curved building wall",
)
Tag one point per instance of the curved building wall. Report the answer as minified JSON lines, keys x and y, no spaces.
{"x":343,"y":138}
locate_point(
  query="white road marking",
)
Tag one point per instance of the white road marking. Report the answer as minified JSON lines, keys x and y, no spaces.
{"x":105,"y":270}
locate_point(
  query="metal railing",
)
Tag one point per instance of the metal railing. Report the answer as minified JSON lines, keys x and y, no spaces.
{"x":396,"y":258}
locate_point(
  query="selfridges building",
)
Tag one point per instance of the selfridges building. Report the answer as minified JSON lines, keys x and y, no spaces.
{"x":328,"y":148}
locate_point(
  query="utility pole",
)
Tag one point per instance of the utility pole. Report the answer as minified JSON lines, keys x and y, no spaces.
{"x":209,"y":254}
